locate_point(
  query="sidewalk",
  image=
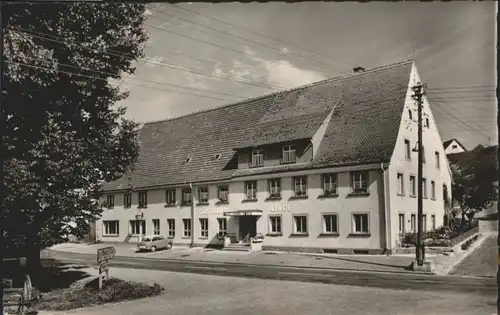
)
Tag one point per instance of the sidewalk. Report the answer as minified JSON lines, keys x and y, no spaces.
{"x":377,"y":263}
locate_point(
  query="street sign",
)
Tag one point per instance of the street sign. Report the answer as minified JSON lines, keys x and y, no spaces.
{"x":105,"y":253}
{"x":103,"y":267}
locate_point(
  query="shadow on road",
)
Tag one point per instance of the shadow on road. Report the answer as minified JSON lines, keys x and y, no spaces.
{"x":57,"y":275}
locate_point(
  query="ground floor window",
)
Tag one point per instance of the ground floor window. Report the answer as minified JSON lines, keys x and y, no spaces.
{"x":204,"y":227}
{"x":424,"y":222}
{"x":300,"y":224}
{"x":275,"y":224}
{"x":156,"y":226}
{"x":222,"y":222}
{"x":401,"y":223}
{"x":330,"y":223}
{"x":187,"y":227}
{"x":413,"y":223}
{"x":171,"y":227}
{"x":360,"y":223}
{"x":137,"y":227}
{"x":433,"y":222}
{"x":111,"y":228}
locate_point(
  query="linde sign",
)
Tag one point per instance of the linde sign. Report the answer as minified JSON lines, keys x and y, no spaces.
{"x":282,"y":208}
{"x":106,"y":253}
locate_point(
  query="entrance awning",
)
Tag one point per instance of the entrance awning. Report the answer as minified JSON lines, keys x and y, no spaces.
{"x":243,"y":213}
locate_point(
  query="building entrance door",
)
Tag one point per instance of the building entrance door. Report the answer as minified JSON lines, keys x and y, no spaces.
{"x":247,"y":227}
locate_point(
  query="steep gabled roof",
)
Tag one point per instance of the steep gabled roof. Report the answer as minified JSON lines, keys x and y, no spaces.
{"x":448,"y":142}
{"x":367,"y":111}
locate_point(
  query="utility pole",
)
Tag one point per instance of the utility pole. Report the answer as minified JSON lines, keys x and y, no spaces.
{"x":2,"y":190}
{"x":419,"y":246}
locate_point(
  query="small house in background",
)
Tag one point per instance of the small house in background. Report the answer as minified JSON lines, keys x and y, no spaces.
{"x":453,"y":146}
{"x":488,"y":219}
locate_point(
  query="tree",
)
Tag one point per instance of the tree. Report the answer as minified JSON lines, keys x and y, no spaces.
{"x":62,"y":136}
{"x":474,"y":188}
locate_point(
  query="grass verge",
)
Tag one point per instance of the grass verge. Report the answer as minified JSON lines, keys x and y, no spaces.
{"x":114,"y":290}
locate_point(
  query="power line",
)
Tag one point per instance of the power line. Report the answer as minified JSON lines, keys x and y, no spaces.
{"x":263,"y":35}
{"x":103,"y":79}
{"x":139,"y":79}
{"x":120,"y":54}
{"x":244,"y":39}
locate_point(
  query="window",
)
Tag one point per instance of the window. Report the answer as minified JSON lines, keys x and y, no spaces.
{"x":143,"y":199}
{"x":424,"y":222}
{"x":111,"y":228}
{"x":289,"y":155}
{"x":156,"y":226}
{"x":110,"y":201}
{"x":223,"y":193}
{"x":330,"y":224}
{"x":424,"y":188}
{"x":330,"y":184}
{"x":401,"y":190}
{"x":360,"y":223}
{"x":251,"y":190}
{"x":407,"y":149}
{"x":275,"y":188}
{"x":171,"y":227}
{"x":186,"y":196}
{"x":427,"y":122}
{"x":203,"y":195}
{"x":433,"y":190}
{"x":438,"y":162}
{"x":359,"y":182}
{"x":137,"y":227}
{"x":413,"y":186}
{"x":454,"y":146}
{"x":413,"y":220}
{"x":275,"y":224}
{"x":127,"y":200}
{"x":401,"y":223}
{"x":433,"y":222}
{"x":257,"y":158}
{"x":204,"y":227}
{"x":410,"y":114}
{"x":222,"y":222}
{"x":187,"y":227}
{"x":300,"y":186}
{"x":170,"y":197}
{"x":300,"y":224}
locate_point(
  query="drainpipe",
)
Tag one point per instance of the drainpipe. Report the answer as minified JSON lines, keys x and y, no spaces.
{"x":192,"y":213}
{"x":386,"y":210}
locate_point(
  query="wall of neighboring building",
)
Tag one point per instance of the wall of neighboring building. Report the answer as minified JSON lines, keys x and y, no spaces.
{"x":403,"y":203}
{"x":488,"y":225}
{"x":454,"y":147}
{"x":313,"y":207}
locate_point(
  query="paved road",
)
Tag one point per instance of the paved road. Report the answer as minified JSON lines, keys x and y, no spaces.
{"x":195,"y":294}
{"x":378,"y":280}
{"x":482,"y":262}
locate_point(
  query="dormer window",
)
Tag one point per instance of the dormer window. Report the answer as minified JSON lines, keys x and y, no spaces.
{"x":289,"y":155}
{"x":217,"y":156}
{"x":188,"y":160}
{"x":257,"y":158}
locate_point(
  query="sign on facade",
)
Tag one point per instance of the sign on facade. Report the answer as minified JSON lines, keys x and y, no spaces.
{"x":282,"y":208}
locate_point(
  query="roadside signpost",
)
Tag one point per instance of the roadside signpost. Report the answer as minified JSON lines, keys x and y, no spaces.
{"x":103,"y":255}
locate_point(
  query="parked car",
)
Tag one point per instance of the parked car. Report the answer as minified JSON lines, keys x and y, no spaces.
{"x":152,"y":243}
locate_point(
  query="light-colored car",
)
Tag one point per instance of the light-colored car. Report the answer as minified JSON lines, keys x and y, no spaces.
{"x":154,"y":242}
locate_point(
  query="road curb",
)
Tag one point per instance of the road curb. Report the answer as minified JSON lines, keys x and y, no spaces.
{"x":260,"y":265}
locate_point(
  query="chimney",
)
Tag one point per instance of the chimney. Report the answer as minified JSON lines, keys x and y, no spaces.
{"x":359,"y":69}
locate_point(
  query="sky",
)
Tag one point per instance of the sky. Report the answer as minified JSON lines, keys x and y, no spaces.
{"x":226,"y":52}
